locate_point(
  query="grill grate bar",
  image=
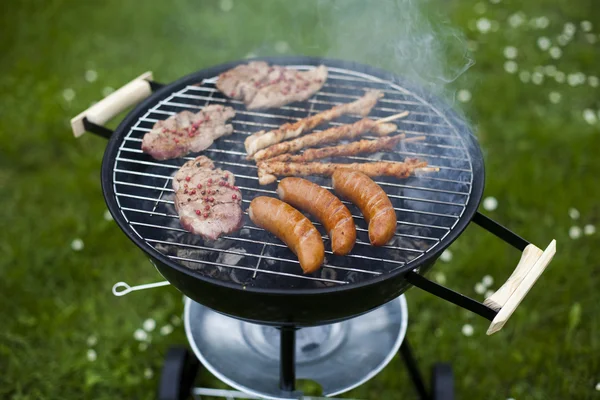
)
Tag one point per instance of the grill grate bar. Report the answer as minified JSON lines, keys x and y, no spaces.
{"x":133,"y":196}
{"x":262,"y":125}
{"x":231,"y":152}
{"x":171,"y":228}
{"x":261,"y":256}
{"x":311,"y":102}
{"x":383,"y":100}
{"x":176,"y":167}
{"x":422,"y":143}
{"x":264,"y":271}
{"x":273,"y":192}
{"x":426,"y":155}
{"x":325,"y":186}
{"x":251,"y":177}
{"x":359,"y":229}
{"x":358,"y":241}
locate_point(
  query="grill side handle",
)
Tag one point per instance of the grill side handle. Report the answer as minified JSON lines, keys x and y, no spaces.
{"x":533,"y":262}
{"x":113,"y":104}
{"x":531,"y":265}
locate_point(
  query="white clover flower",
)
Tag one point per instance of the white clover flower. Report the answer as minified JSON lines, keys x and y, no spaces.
{"x":511,"y":52}
{"x":590,"y":116}
{"x":92,"y":340}
{"x":483,"y":25}
{"x":574,"y":213}
{"x":446,"y":256}
{"x":140,"y":335}
{"x":91,"y":355}
{"x":166,"y":330}
{"x":510,"y":67}
{"x":68,"y":94}
{"x":490,"y":203}
{"x":91,"y":75}
{"x":555,"y":52}
{"x":463,"y":95}
{"x":479,"y":288}
{"x":467,"y":330}
{"x":226,"y":5}
{"x":544,"y":43}
{"x":537,"y":78}
{"x":149,"y":325}
{"x":524,"y":76}
{"x":488,"y":280}
{"x":586,"y":26}
{"x":77,"y":244}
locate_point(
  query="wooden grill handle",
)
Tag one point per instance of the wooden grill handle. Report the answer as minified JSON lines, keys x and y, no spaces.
{"x":119,"y":100}
{"x":506,"y":299}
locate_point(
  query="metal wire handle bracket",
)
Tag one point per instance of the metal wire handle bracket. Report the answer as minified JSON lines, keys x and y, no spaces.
{"x":122,"y":288}
{"x":499,"y":306}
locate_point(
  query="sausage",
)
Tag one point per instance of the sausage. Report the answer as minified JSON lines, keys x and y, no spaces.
{"x":324,"y":206}
{"x":372,"y":201}
{"x":293,"y":228}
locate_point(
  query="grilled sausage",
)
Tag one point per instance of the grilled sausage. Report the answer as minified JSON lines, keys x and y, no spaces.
{"x":323,"y":205}
{"x":372,"y":201}
{"x":293,"y":228}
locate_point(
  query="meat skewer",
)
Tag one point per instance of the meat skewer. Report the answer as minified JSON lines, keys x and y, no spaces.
{"x":386,"y":143}
{"x":268,"y":171}
{"x":347,"y":131}
{"x":262,"y":139}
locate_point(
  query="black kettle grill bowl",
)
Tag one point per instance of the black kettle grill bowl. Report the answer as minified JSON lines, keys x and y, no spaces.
{"x":270,"y":289}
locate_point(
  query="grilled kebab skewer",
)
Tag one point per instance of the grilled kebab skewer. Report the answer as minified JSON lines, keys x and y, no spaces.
{"x":347,"y":131}
{"x":262,"y":139}
{"x":386,"y":143}
{"x":268,"y":171}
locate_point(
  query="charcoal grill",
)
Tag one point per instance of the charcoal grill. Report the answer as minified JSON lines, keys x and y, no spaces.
{"x":251,"y":275}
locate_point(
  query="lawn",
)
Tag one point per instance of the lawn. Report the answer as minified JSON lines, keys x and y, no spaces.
{"x":523,"y":74}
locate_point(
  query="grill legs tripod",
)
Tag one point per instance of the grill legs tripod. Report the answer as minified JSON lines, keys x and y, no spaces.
{"x":181,"y":367}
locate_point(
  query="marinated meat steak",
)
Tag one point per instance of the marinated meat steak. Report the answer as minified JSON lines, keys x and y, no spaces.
{"x":206,"y":199}
{"x":187,"y":132}
{"x":262,"y":86}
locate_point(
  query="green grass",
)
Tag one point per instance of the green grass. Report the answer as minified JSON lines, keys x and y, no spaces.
{"x":541,"y":159}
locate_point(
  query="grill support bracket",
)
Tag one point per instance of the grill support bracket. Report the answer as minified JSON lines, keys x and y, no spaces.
{"x":450,"y":295}
{"x":287,"y":378}
{"x":500,"y":231}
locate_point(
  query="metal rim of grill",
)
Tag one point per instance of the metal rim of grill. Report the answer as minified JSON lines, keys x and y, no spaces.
{"x":432,"y":209}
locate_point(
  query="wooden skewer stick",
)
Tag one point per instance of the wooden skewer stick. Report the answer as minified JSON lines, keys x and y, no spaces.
{"x":427,"y":169}
{"x":393,"y":117}
{"x":414,"y":139}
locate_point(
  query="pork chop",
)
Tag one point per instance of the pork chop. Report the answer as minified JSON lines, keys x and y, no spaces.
{"x":261,"y":86}
{"x":187,"y":132}
{"x":206,"y":199}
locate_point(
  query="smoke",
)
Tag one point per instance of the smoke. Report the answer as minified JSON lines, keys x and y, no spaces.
{"x":406,"y":37}
{"x":414,"y":39}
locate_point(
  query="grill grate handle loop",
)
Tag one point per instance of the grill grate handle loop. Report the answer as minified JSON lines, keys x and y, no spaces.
{"x":122,"y":288}
{"x":113,"y":104}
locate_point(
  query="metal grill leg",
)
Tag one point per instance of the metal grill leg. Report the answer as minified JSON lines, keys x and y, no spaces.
{"x":413,"y":370}
{"x":442,"y":382}
{"x":287,"y":377}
